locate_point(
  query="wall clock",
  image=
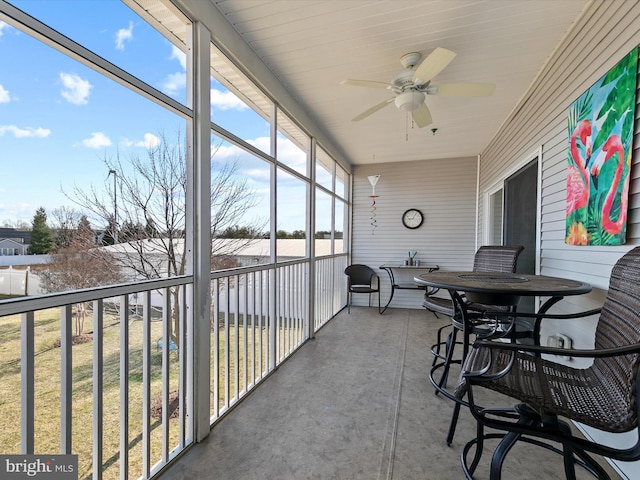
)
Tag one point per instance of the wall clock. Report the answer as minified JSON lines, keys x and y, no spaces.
{"x":412,"y":218}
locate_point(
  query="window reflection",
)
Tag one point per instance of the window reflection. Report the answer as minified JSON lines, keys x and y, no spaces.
{"x":341,"y":182}
{"x":292,"y":145}
{"x":324,"y":169}
{"x":237,"y":105}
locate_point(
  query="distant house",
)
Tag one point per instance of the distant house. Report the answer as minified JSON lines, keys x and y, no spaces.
{"x":245,"y":251}
{"x":14,"y":242}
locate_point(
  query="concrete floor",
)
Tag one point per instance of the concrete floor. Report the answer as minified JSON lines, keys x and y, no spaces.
{"x":355,"y":403}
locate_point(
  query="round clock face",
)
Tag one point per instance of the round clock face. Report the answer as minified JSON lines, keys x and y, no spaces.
{"x":412,"y":218}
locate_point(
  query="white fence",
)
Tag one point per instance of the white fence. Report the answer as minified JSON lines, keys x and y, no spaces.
{"x":23,"y":260}
{"x":18,"y":281}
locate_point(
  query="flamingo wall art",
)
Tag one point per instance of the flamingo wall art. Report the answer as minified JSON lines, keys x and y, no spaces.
{"x":599,"y":157}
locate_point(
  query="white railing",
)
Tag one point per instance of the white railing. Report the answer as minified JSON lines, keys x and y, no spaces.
{"x":106,"y":392}
{"x":117,"y":394}
{"x":260,"y":316}
{"x":330,"y":288}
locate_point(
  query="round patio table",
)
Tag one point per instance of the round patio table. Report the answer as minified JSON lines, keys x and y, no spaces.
{"x":504,"y":289}
{"x":491,"y":289}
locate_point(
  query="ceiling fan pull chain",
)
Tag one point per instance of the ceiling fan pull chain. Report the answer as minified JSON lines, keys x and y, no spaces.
{"x":406,"y":127}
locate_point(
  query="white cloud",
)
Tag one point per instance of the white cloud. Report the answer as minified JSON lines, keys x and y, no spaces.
{"x":291,"y":155}
{"x":18,"y":211}
{"x":24,"y":132}
{"x":97,"y":140}
{"x":261,"y":143}
{"x":288,"y":152}
{"x":122,"y":35}
{"x":4,"y":95}
{"x":174,"y":83}
{"x":177,"y":54}
{"x":150,"y":141}
{"x":75,"y":89}
{"x":2,"y":27}
{"x":226,"y":100}
{"x":258,"y":175}
{"x":225,"y":152}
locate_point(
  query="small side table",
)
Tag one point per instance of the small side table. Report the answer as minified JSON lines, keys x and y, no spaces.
{"x":389,"y":268}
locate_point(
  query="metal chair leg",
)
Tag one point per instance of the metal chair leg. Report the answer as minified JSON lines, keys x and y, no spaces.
{"x":453,"y":424}
{"x":448,"y":359}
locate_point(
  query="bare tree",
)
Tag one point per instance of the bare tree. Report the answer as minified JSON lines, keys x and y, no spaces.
{"x":151,"y":193}
{"x":79,"y":264}
{"x":65,"y":223}
{"x":17,"y":224}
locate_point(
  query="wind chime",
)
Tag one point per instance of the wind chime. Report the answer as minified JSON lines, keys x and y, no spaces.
{"x":373,"y":179}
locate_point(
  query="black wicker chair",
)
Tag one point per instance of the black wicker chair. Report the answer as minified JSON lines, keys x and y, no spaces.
{"x":489,"y":258}
{"x":603,"y":396}
{"x":361,"y":280}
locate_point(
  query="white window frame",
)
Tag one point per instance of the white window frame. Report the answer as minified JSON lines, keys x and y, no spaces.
{"x":499,"y":185}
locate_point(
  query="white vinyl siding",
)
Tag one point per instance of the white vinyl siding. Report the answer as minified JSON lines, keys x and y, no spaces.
{"x":443,"y":190}
{"x":601,"y":37}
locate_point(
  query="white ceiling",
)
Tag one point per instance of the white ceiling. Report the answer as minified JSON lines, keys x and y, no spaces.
{"x":311,"y":45}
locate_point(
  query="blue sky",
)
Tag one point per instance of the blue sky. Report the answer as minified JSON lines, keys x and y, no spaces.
{"x":59,"y":120}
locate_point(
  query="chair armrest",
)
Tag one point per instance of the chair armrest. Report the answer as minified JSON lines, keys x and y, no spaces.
{"x":565,"y":352}
{"x":559,"y":316}
{"x":508,"y":320}
{"x":482,"y":357}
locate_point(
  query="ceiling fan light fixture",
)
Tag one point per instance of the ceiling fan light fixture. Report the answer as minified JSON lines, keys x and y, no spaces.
{"x":409,"y":101}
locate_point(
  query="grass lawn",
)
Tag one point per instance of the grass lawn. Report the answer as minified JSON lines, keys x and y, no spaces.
{"x":47,"y":392}
{"x":47,"y":386}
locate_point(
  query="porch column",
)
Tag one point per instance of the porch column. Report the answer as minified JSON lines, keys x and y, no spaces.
{"x":198,"y":224}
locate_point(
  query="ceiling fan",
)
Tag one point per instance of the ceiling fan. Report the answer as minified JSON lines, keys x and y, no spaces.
{"x":413,"y":84}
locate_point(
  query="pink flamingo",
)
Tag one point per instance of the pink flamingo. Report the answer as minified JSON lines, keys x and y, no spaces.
{"x":578,"y":175}
{"x":612,"y":146}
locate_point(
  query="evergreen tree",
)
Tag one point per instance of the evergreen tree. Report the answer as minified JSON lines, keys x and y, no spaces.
{"x":131,"y":231}
{"x":84,"y":230}
{"x":239,"y":232}
{"x":110,"y":232}
{"x":41,"y":235}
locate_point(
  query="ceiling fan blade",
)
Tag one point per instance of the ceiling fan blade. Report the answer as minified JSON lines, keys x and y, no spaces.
{"x":433,"y":65}
{"x":373,"y":110}
{"x":365,"y":83}
{"x":422,"y":116}
{"x":463,"y":89}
